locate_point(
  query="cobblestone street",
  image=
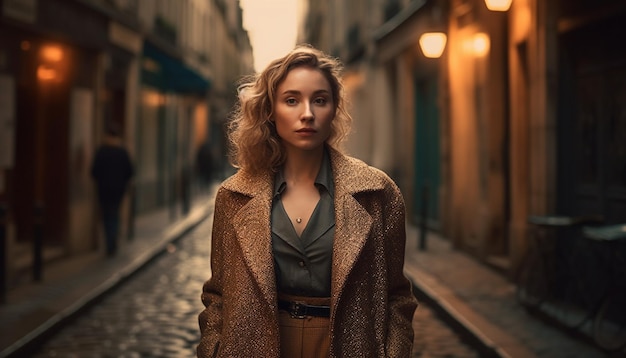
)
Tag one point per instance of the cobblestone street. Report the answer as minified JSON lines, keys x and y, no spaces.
{"x":434,"y":339}
{"x":154,"y":313}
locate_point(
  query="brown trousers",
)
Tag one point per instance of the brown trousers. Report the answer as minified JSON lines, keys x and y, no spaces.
{"x":307,"y":337}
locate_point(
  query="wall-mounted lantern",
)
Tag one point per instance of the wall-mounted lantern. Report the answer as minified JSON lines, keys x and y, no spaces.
{"x":481,"y":44}
{"x":477,"y":45}
{"x":498,"y":5}
{"x":433,"y":44}
{"x":51,"y":60}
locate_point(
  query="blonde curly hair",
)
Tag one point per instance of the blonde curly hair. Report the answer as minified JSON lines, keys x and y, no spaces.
{"x":254,"y":143}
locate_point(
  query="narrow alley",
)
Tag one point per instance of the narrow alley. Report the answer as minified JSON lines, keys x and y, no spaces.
{"x":154,"y":313}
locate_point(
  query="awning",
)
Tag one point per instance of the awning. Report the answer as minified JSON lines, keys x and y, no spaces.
{"x":170,"y":74}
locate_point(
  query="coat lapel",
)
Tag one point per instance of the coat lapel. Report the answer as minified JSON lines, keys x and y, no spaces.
{"x":253,"y":229}
{"x":353,"y":222}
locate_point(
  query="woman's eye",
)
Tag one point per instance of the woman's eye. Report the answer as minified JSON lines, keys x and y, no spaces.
{"x":320,"y":100}
{"x":290,"y":101}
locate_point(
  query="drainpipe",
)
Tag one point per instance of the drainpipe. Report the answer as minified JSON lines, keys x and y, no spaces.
{"x":38,"y":241}
{"x":424,"y":218}
{"x":3,"y":252}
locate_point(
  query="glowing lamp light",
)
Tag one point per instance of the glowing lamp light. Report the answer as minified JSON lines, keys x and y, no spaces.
{"x":52,"y":53}
{"x":154,"y":99}
{"x":52,"y":63}
{"x":432,"y":44}
{"x":45,"y":73}
{"x":481,"y":44}
{"x":498,"y":5}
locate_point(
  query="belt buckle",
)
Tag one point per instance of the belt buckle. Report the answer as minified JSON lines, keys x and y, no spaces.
{"x":297,"y":310}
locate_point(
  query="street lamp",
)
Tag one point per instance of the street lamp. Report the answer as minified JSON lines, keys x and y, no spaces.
{"x":49,"y":73}
{"x":433,"y":44}
{"x":498,"y":5}
{"x":477,"y":45}
{"x":481,"y":44}
{"x":51,"y":63}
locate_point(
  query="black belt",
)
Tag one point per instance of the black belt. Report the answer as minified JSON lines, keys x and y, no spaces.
{"x":301,"y":310}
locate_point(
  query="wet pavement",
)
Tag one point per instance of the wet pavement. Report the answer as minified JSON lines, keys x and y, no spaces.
{"x":145,"y":301}
{"x":154,"y":313}
{"x":480,"y":303}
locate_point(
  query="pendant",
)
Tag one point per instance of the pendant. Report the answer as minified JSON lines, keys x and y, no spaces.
{"x":298,"y":220}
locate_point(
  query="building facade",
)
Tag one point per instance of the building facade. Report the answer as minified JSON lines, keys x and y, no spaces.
{"x":162,"y":70}
{"x":519,"y":116}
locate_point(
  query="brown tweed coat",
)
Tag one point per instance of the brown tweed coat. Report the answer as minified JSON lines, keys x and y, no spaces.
{"x":371,"y":300}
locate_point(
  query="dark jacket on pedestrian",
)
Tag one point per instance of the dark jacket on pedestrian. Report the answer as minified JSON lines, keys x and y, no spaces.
{"x":112,"y":170}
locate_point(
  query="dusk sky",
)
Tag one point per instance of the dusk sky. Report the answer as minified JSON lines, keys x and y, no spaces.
{"x":272,"y":26}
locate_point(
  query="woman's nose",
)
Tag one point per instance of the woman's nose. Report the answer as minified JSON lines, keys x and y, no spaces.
{"x":307,"y":114}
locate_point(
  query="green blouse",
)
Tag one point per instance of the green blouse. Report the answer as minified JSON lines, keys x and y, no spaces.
{"x":303,"y":264}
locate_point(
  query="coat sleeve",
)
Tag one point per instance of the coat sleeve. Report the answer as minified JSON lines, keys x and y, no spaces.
{"x":402,"y":302}
{"x":210,"y":319}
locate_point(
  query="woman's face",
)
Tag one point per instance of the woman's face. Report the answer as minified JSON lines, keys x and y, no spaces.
{"x":304,"y":109}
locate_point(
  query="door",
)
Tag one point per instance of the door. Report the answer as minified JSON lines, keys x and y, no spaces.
{"x":427,"y":151}
{"x":592,"y":122}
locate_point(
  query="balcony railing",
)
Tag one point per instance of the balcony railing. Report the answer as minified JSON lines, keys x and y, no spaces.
{"x":165,"y":30}
{"x":355,"y":44}
{"x":391,"y":9}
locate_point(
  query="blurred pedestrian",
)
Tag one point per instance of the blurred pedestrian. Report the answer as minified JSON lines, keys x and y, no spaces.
{"x":112,"y":171}
{"x":307,"y":243}
{"x":204,"y":164}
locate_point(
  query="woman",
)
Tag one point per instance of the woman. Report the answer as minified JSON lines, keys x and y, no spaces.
{"x":307,"y":243}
